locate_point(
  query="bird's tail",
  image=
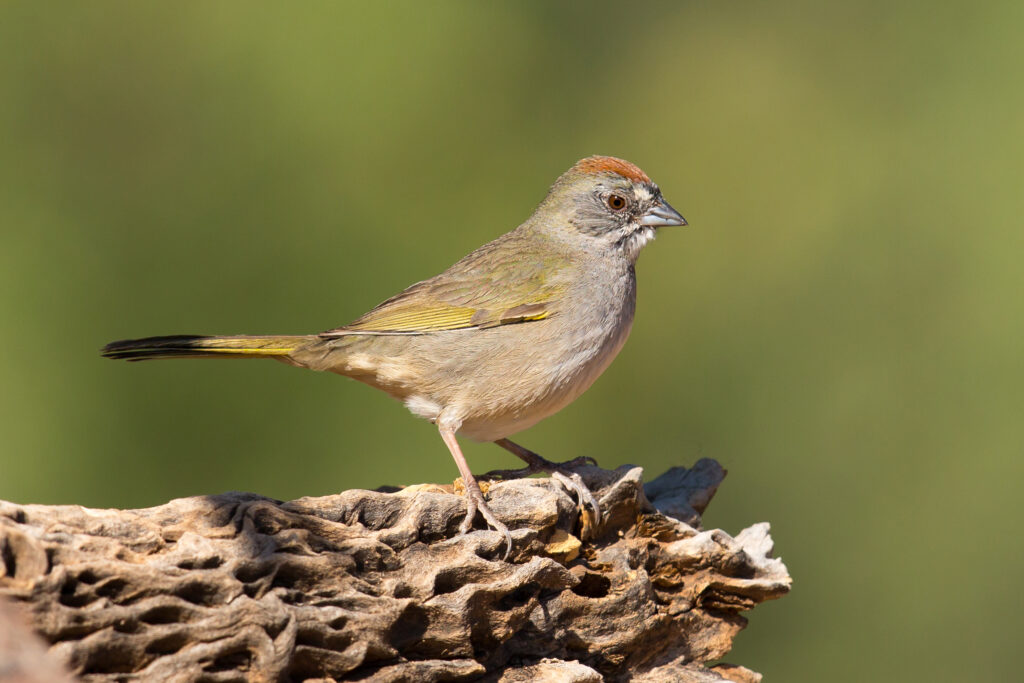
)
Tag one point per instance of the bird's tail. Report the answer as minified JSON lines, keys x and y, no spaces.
{"x":196,"y":346}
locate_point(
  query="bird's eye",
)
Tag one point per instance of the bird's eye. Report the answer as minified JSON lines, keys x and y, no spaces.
{"x":616,"y":202}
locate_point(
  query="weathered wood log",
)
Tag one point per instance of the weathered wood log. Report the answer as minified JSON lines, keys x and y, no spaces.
{"x":375,"y":586}
{"x":23,"y":656}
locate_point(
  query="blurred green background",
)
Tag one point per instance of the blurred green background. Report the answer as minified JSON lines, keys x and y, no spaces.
{"x":840,"y":326}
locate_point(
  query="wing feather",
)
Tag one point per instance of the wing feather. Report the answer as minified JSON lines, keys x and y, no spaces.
{"x":505,"y":282}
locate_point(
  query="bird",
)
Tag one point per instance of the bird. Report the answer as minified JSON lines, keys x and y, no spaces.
{"x":508,"y":335}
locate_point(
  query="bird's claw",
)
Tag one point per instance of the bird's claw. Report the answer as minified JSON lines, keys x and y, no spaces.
{"x":574,"y":482}
{"x":560,"y":472}
{"x":475,"y":503}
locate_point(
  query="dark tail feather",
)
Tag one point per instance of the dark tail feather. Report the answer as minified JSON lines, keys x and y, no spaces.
{"x":197,"y":346}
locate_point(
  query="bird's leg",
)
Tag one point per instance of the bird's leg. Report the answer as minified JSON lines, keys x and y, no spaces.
{"x":559,"y":471}
{"x":474,"y":496}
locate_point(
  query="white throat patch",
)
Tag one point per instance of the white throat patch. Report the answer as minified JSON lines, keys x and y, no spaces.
{"x":633,"y":238}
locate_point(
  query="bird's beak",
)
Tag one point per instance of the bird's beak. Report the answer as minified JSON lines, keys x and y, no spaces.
{"x":660,"y":215}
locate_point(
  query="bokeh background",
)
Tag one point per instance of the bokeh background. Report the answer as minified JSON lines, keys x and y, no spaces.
{"x":840,"y":326}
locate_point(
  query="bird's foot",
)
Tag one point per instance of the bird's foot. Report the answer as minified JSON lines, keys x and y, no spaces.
{"x":562,"y":472}
{"x":538,"y":466}
{"x":475,"y":502}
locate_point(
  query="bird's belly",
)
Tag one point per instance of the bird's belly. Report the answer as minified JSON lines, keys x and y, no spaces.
{"x":537,"y":386}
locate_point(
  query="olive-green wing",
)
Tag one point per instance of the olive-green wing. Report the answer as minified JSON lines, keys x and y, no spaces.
{"x":499,"y":284}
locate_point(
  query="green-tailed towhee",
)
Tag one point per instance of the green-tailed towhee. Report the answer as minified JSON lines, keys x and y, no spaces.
{"x":507,"y":336}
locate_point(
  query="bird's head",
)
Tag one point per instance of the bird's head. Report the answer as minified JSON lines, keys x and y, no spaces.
{"x":613,"y":201}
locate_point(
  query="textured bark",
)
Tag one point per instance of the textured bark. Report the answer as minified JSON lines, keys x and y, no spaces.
{"x":379,"y":586}
{"x":23,"y":657}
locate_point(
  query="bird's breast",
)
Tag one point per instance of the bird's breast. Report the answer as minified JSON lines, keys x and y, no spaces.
{"x":549,"y":364}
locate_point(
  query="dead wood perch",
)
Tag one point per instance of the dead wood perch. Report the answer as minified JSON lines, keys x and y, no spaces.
{"x":375,"y":586}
